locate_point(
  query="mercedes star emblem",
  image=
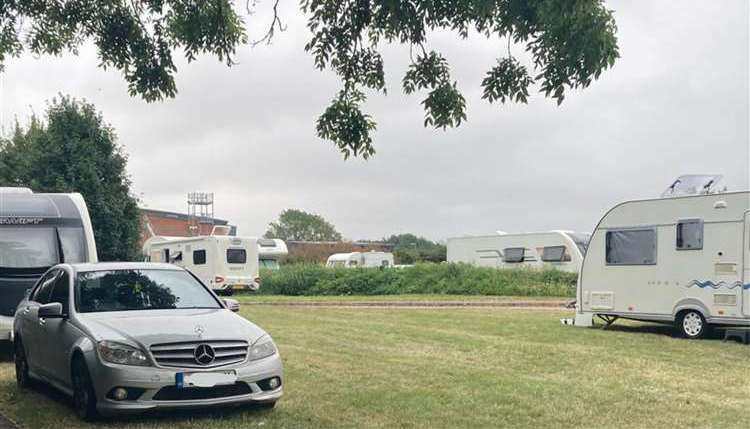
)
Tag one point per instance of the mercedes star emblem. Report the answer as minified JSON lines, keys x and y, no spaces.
{"x":199,"y":330}
{"x":204,"y":354}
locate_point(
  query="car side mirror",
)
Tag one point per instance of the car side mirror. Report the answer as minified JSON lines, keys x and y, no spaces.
{"x":27,"y":293}
{"x":53,"y":310}
{"x":232,"y":304}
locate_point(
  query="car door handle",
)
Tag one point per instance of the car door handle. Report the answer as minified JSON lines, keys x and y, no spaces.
{"x":26,"y":310}
{"x":42,"y":322}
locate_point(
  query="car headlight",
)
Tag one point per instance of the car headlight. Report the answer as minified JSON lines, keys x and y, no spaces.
{"x":122,"y":354}
{"x":262,"y":348}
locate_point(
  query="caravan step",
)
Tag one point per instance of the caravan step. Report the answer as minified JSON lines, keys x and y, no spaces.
{"x":742,"y":334}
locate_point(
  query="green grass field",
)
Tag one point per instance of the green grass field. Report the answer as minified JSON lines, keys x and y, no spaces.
{"x":248,"y":298}
{"x":465,"y":367}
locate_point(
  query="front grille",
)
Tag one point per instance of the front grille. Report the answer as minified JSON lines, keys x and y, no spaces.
{"x":182,"y":355}
{"x":174,"y":393}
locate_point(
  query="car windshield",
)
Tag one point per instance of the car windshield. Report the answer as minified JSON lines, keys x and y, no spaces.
{"x":27,"y":247}
{"x":127,"y":290}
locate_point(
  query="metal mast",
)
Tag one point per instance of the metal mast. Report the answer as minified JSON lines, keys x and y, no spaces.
{"x":200,"y":211}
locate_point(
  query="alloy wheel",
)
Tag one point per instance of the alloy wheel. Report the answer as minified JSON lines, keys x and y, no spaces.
{"x":692,"y":324}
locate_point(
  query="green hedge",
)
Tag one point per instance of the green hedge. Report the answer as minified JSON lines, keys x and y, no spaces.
{"x":448,"y":279}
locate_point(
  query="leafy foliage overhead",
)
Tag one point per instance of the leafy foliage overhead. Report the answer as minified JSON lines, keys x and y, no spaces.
{"x":136,"y":37}
{"x":75,"y":151}
{"x":569,"y":44}
{"x":298,"y":225}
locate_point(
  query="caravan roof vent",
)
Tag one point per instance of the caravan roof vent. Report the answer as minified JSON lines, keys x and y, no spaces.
{"x":695,"y":184}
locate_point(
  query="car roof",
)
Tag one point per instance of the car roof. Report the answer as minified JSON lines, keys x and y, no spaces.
{"x":115,"y":266}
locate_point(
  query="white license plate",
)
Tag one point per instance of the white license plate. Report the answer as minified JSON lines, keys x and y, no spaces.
{"x":205,"y":379}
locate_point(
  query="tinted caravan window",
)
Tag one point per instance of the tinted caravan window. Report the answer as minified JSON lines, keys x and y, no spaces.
{"x":514,"y":254}
{"x":690,"y":234}
{"x":236,"y":256}
{"x":199,"y":257}
{"x":631,"y":247}
{"x":553,"y":254}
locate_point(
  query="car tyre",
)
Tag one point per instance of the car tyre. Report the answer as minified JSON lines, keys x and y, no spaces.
{"x":692,"y":325}
{"x":84,"y":397}
{"x":23,"y":380}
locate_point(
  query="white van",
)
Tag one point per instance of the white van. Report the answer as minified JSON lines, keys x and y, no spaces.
{"x":361,"y":259}
{"x":270,"y":251}
{"x":38,"y":231}
{"x":224,"y":263}
{"x":562,"y":250}
{"x":683,"y":259}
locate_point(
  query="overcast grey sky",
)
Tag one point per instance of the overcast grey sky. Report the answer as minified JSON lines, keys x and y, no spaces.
{"x":676,"y":102}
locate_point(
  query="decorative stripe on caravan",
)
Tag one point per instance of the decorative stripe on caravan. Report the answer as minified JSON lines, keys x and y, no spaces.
{"x":719,"y":285}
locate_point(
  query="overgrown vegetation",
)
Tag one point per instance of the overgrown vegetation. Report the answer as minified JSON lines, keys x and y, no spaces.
{"x":410,"y":249}
{"x":72,"y":149}
{"x":450,"y":279}
{"x":299,"y":225}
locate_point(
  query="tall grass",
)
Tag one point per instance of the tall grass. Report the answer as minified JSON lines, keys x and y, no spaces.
{"x":448,"y":279}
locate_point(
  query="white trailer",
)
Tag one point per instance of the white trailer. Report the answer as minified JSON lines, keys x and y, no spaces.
{"x":38,"y":231}
{"x":683,"y":259}
{"x":270,"y":251}
{"x":224,"y":263}
{"x":361,"y":260}
{"x":562,"y":250}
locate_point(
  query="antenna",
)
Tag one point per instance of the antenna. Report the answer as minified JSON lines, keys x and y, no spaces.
{"x":200,"y":211}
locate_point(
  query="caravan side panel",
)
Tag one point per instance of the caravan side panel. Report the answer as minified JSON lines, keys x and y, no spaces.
{"x":706,"y":275}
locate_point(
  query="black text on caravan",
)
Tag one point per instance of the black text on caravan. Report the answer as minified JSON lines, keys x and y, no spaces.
{"x":21,"y":220}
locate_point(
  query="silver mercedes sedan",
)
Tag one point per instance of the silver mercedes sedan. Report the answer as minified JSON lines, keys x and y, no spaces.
{"x":130,"y":337}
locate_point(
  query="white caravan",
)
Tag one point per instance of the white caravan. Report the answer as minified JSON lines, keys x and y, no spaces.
{"x":270,"y":251}
{"x":562,"y":250}
{"x":38,"y":231}
{"x":224,"y":263}
{"x":361,"y":259}
{"x":683,"y":259}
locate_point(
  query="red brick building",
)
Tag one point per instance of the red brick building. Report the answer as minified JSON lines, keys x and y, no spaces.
{"x":159,"y":222}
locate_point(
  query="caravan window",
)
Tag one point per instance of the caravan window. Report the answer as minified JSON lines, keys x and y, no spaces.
{"x":631,"y":247}
{"x":236,"y":256}
{"x":199,"y":257}
{"x":514,"y":254}
{"x":553,"y":254}
{"x":73,"y":244}
{"x":271,"y":264}
{"x":690,"y":234}
{"x":28,"y":247}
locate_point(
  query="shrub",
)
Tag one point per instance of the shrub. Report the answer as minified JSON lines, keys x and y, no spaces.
{"x":447,"y":279}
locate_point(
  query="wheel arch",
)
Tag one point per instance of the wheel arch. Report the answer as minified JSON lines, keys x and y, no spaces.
{"x":690,"y":304}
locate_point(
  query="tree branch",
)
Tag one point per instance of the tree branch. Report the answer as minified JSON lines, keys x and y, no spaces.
{"x":275,"y":23}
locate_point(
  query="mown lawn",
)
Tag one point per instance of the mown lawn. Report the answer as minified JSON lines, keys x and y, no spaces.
{"x":463,"y":368}
{"x":249,"y":298}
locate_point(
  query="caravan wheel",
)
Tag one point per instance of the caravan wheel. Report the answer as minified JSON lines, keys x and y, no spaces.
{"x":691,"y":324}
